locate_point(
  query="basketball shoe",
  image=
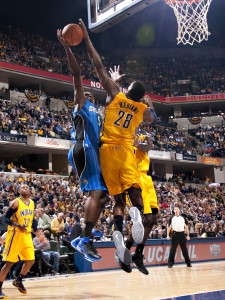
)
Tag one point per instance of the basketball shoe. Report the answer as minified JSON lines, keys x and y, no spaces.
{"x":137,"y":228}
{"x":3,"y":296}
{"x":138,"y":261}
{"x":75,"y":242}
{"x":20,"y":286}
{"x":125,"y":268}
{"x":121,"y":250}
{"x":86,"y":248}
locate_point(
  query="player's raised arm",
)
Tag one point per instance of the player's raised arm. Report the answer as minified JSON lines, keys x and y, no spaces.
{"x":108,"y":84}
{"x":149,"y":114}
{"x":79,"y":97}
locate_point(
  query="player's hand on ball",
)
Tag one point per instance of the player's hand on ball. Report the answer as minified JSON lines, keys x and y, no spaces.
{"x":22,"y":228}
{"x":61,"y":39}
{"x":83,"y":27}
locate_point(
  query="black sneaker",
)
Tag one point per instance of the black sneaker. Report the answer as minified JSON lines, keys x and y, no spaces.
{"x":189,"y":265}
{"x":170,"y":266}
{"x":20,"y":286}
{"x":87,"y":249}
{"x":126,"y":268}
{"x":3,"y":296}
{"x":138,"y":261}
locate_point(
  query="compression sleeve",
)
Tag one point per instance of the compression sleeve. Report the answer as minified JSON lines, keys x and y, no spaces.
{"x":8,"y":216}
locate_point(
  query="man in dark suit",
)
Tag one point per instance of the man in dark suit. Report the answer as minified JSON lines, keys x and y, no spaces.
{"x":76,"y":229}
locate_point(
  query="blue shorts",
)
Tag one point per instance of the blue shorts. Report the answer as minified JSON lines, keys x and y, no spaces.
{"x":85,"y":162}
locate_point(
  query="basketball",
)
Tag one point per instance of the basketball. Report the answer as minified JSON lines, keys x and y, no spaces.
{"x":73,"y":34}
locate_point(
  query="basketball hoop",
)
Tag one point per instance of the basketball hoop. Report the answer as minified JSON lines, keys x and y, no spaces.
{"x":191,"y":19}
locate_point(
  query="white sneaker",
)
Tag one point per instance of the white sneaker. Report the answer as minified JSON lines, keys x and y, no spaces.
{"x":122,"y":252}
{"x":137,"y":227}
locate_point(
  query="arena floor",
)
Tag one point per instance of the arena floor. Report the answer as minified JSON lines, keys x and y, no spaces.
{"x":199,"y":282}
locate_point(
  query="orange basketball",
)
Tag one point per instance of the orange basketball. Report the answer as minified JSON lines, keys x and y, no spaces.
{"x":73,"y":34}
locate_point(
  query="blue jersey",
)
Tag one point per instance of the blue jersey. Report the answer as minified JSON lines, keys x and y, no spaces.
{"x":84,"y":154}
{"x":87,"y":124}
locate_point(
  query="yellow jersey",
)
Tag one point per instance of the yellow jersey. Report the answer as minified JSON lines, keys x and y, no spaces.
{"x":122,"y":117}
{"x":143,"y":161}
{"x":23,"y":215}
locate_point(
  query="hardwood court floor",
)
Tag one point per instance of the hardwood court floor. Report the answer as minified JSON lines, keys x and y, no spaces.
{"x":160,"y":283}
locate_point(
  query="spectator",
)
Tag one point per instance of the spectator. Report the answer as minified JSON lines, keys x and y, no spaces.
{"x":44,"y":221}
{"x":97,"y":231}
{"x":13,"y":130}
{"x":57,"y":225}
{"x":76,"y":229}
{"x":52,"y":254}
{"x":43,"y":245}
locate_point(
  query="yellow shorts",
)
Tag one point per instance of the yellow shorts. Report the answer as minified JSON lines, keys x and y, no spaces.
{"x":148,"y":194}
{"x":119,"y":168}
{"x":18,"y":245}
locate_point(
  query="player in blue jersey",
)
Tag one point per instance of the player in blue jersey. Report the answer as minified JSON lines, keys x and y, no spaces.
{"x":84,"y":156}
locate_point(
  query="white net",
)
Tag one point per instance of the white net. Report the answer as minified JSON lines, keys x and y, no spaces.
{"x":191,"y":19}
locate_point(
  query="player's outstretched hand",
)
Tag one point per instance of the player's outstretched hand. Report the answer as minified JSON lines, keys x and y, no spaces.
{"x":115,"y":75}
{"x":168,"y":238}
{"x":22,"y":228}
{"x":188,"y":237}
{"x":83,"y":27}
{"x":148,"y":101}
{"x":61,"y":39}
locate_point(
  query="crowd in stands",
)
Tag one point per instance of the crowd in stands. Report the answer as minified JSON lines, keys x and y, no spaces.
{"x":33,"y":121}
{"x":36,"y":51}
{"x":59,"y":212}
{"x":203,"y":206}
{"x":213,"y":138}
{"x":167,"y":138}
{"x":26,"y":119}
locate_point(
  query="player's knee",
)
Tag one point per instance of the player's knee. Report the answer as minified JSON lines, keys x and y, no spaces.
{"x":120,"y":201}
{"x":134,"y":194}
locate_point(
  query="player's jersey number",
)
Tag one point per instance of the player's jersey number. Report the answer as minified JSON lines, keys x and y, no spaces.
{"x":26,"y":222}
{"x":125,"y":117}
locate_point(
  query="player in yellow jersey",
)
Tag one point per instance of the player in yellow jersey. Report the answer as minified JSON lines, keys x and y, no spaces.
{"x":19,"y":244}
{"x":143,"y":145}
{"x":123,"y":114}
